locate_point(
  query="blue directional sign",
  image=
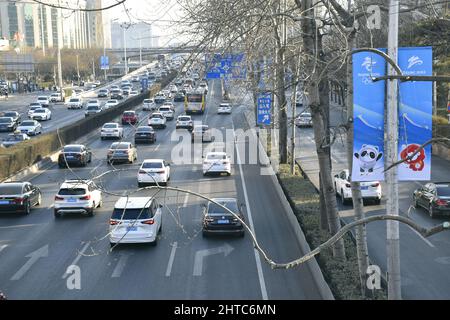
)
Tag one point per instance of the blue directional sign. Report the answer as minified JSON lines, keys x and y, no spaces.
{"x":218,"y":66}
{"x":104,"y":63}
{"x":264,"y":104}
{"x":144,"y":83}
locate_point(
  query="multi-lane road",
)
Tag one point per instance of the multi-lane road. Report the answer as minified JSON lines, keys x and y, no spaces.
{"x":36,"y":250}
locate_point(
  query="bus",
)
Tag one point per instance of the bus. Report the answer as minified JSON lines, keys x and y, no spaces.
{"x":194,"y":102}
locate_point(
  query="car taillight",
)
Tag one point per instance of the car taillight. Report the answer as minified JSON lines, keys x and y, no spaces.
{"x":348,"y":185}
{"x":160,"y":172}
{"x":149,"y":222}
{"x":113,"y":222}
{"x":142,"y":171}
{"x":88,"y":197}
{"x":209,"y":219}
{"x":440,"y":202}
{"x":376,"y":184}
{"x":58,"y":198}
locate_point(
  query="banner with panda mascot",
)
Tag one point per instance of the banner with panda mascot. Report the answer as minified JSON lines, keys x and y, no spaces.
{"x":415,"y":114}
{"x":368,"y":117}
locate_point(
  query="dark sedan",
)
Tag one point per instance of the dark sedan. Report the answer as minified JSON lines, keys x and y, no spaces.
{"x":144,"y":134}
{"x":19,"y":197}
{"x":74,"y":154}
{"x":434,"y":197}
{"x":7,"y":124}
{"x":217,"y":220}
{"x":179,"y":97}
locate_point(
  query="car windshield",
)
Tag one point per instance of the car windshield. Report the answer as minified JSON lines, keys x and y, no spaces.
{"x":110,"y":126}
{"x":5,"y":120}
{"x":74,"y":100}
{"x":145,"y":129}
{"x":35,"y":104}
{"x":93,"y":102}
{"x":305,"y":115}
{"x":72,"y":149}
{"x":10,"y":114}
{"x":93,"y":108}
{"x":148,"y":101}
{"x":119,"y":145}
{"x":216,"y":156}
{"x":165,"y":109}
{"x":40,"y":111}
{"x":7,"y":188}
{"x":214,"y":209}
{"x":72,"y":191}
{"x":128,"y":114}
{"x":156,"y":116}
{"x":42,"y":98}
{"x":443,"y":191}
{"x":184,"y":118}
{"x":130,"y":214}
{"x":152,"y":165}
{"x":27,"y":124}
{"x":16,"y":137}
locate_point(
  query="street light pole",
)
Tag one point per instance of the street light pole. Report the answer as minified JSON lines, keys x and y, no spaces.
{"x":393,"y":239}
{"x":124,"y":48}
{"x":42,"y":30}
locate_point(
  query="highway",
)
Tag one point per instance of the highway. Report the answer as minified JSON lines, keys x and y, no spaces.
{"x":424,"y":262}
{"x":36,"y":250}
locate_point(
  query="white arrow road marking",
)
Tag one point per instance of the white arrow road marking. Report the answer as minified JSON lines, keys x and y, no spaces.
{"x":34,"y":257}
{"x":2,"y":247}
{"x":171,"y":258}
{"x":186,"y":198}
{"x":201,"y":254}
{"x":75,"y":261}
{"x":120,"y":265}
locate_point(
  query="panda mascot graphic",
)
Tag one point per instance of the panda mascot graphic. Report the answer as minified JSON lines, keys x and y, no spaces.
{"x":368,"y":157}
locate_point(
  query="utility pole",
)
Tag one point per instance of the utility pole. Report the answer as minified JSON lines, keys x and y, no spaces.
{"x":393,"y":239}
{"x":123,"y":25}
{"x":60,"y":82}
{"x":42,"y":30}
{"x":78,"y":71}
{"x":93,"y":68}
{"x":140,"y":49}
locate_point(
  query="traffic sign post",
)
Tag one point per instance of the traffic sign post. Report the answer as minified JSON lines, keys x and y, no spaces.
{"x":104,"y":63}
{"x":144,"y":84}
{"x":264,"y":106}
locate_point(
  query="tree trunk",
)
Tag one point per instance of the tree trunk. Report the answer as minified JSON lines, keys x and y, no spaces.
{"x":308,"y":25}
{"x":358,"y":206}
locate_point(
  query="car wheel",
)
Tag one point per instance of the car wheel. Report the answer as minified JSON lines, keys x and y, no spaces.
{"x":56,"y":214}
{"x":241,"y":234}
{"x":415,"y":204}
{"x":100,"y":204}
{"x":91,"y":212}
{"x":102,"y":138}
{"x":39,"y":200}
{"x":431,"y":212}
{"x":377,"y":201}
{"x":228,"y":174}
{"x":343,"y":200}
{"x":160,"y":228}
{"x":154,"y":243}
{"x":112,"y":244}
{"x":204,"y":234}
{"x":27,"y":207}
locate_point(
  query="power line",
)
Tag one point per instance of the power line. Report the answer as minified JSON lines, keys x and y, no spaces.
{"x":80,"y":9}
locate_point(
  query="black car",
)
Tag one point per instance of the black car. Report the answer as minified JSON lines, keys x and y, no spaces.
{"x":13,"y":114}
{"x":144,"y":134}
{"x":179,"y":97}
{"x":216,"y":220}
{"x":19,"y":197}
{"x":74,"y":154}
{"x":434,"y":197}
{"x":7,"y":124}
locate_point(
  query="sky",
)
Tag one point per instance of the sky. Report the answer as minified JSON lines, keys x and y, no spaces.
{"x":159,"y":13}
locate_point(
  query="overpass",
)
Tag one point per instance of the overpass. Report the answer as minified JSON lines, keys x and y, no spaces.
{"x":134,"y":52}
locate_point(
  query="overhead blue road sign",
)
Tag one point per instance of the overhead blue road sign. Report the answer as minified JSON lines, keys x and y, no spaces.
{"x":104,"y":63}
{"x":144,"y":83}
{"x":264,"y":106}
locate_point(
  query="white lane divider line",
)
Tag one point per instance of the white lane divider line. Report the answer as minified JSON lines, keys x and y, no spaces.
{"x":157,"y":147}
{"x":186,"y":198}
{"x":171,"y":259}
{"x":120,"y":265}
{"x":3,"y":247}
{"x":75,"y":261}
{"x":262,"y":282}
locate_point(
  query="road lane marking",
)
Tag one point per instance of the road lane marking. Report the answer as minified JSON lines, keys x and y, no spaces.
{"x":423,"y":238}
{"x":34,"y":257}
{"x":262,"y":282}
{"x":20,"y":226}
{"x":186,"y":198}
{"x":171,"y":258}
{"x":75,"y":261}
{"x":157,"y":147}
{"x":3,"y":247}
{"x":200,"y":255}
{"x":120,"y":265}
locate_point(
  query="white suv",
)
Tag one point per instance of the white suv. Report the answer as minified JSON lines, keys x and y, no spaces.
{"x":157,"y":120}
{"x":135,"y":220}
{"x":153,"y":171}
{"x":167,"y":112}
{"x":74,"y":103}
{"x":77,"y":196}
{"x":149,"y":105}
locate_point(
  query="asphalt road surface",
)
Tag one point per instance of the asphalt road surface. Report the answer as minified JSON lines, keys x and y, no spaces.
{"x":36,"y":250}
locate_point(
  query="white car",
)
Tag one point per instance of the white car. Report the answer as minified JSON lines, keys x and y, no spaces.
{"x":135,"y":220}
{"x":149,"y":105}
{"x":56,"y":97}
{"x":77,"y":196}
{"x":303,"y":120}
{"x":74,"y":103}
{"x":32,"y":108}
{"x":111,"y":130}
{"x":224,"y":108}
{"x":43,"y":101}
{"x":153,"y":171}
{"x":216,"y":162}
{"x":167,"y":112}
{"x":111,"y":103}
{"x":201,"y":133}
{"x":184,"y":122}
{"x":93,"y":110}
{"x":93,"y":102}
{"x":14,"y":138}
{"x":102,"y":93}
{"x":133,"y":93}
{"x":157,"y":120}
{"x":30,"y":127}
{"x":41,"y":114}
{"x":369,"y":190}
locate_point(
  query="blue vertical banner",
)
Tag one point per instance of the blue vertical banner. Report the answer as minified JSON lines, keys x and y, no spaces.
{"x":264,"y":105}
{"x":368,"y":117}
{"x":415,"y":113}
{"x":104,"y":63}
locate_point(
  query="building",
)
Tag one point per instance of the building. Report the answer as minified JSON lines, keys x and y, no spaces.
{"x":28,"y":24}
{"x":99,"y":26}
{"x":137,"y":35}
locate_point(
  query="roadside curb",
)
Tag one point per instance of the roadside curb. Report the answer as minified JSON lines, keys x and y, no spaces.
{"x":312,"y":264}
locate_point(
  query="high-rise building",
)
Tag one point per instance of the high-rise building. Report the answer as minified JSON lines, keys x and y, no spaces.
{"x":98,"y":26}
{"x":136,"y":35}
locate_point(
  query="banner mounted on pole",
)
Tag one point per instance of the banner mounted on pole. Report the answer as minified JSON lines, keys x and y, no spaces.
{"x":368,"y":117}
{"x":415,"y":113}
